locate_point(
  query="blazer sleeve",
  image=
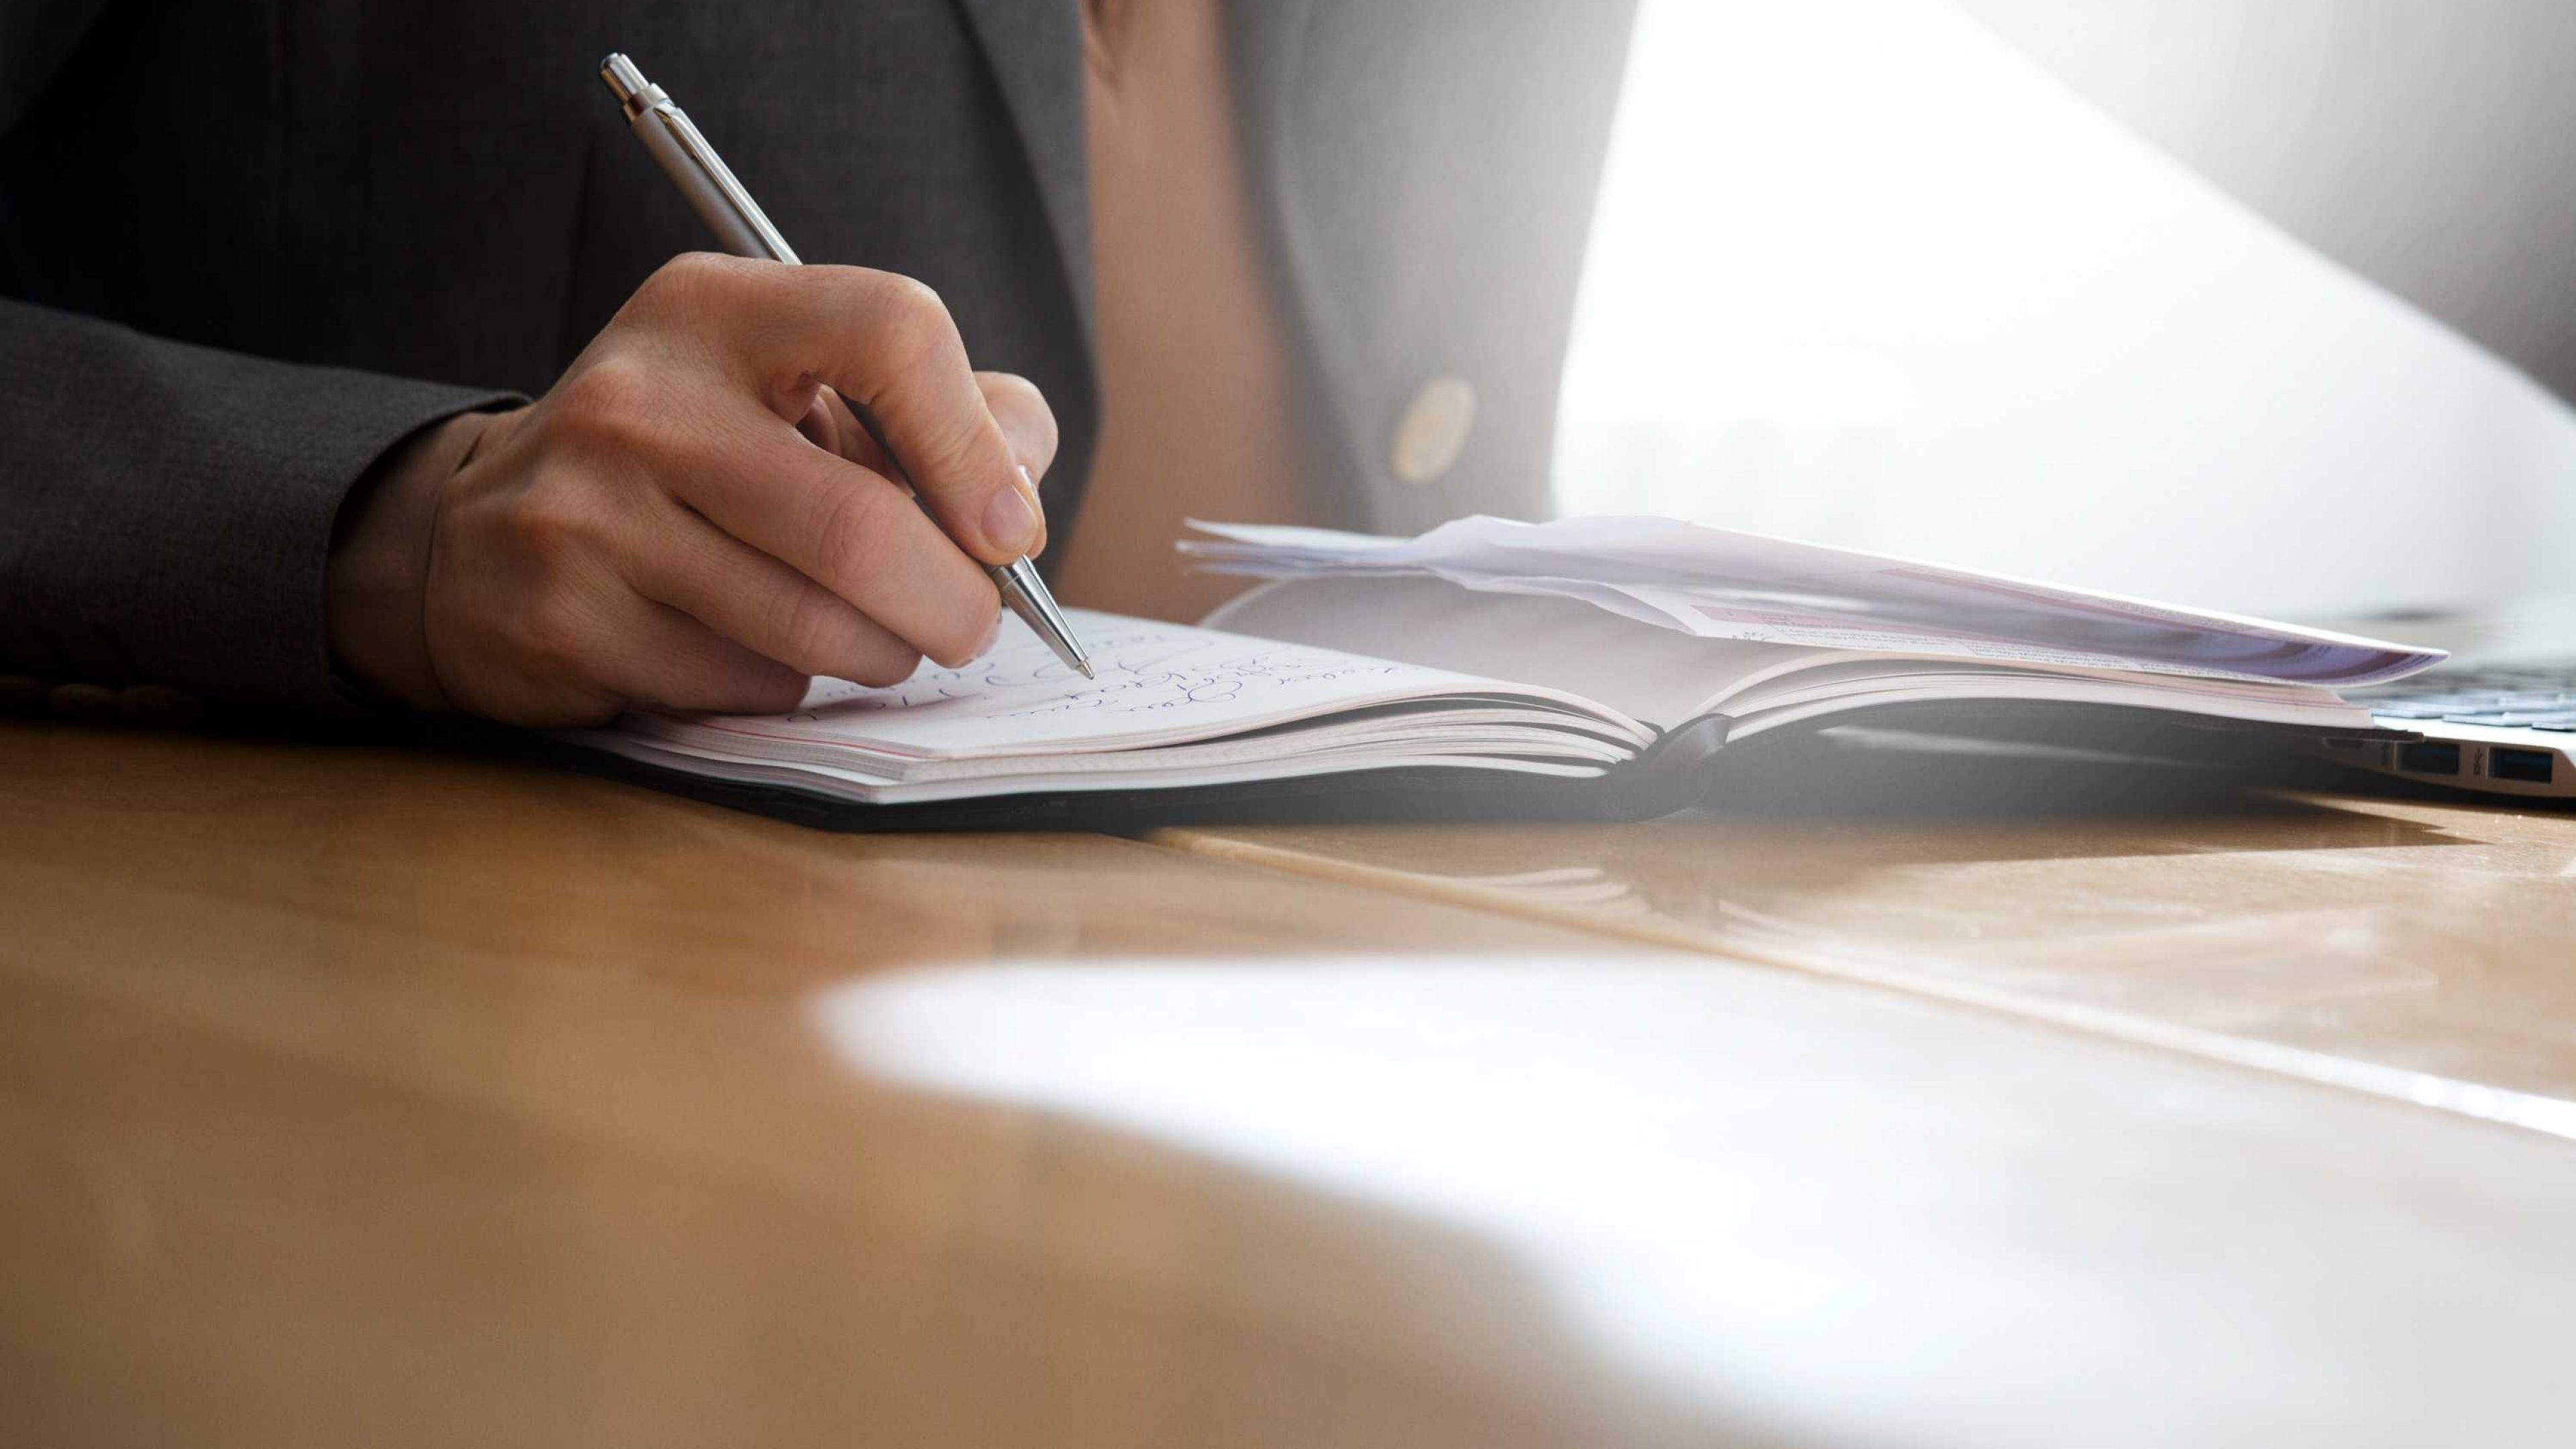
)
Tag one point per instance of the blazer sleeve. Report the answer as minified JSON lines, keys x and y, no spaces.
{"x":166,"y":510}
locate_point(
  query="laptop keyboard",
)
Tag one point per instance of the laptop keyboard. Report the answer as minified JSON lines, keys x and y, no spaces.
{"x":2539,"y":697}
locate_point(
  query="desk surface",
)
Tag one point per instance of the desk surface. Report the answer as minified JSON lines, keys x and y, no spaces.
{"x":2423,"y":951}
{"x":356,"y":1096}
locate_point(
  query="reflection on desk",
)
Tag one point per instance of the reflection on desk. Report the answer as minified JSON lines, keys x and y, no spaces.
{"x":2424,"y":951}
{"x":354,"y":1096}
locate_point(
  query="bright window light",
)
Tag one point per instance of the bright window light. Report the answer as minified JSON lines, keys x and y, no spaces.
{"x":1861,"y":273}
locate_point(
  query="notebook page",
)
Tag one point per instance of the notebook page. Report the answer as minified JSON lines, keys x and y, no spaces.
{"x":1158,"y":684}
{"x":1662,"y":676}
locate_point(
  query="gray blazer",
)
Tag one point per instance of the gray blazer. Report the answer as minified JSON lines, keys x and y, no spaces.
{"x":247,"y":248}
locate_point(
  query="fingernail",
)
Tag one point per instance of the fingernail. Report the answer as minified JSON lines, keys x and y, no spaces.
{"x":1029,"y":487}
{"x":1010,"y":520}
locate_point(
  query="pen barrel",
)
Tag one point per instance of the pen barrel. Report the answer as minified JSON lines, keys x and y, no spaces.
{"x":710,"y":188}
{"x":1025,"y":594}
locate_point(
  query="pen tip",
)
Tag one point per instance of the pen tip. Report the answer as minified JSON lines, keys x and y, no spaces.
{"x":1085,"y":667}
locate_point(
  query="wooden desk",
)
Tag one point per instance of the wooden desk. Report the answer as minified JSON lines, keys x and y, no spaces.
{"x":2422,"y":951}
{"x":349,"y":1096}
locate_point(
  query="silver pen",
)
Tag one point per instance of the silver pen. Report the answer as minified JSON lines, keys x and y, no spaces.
{"x":745,"y":231}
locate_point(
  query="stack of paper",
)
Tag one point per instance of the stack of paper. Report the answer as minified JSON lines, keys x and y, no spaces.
{"x":1716,"y":583}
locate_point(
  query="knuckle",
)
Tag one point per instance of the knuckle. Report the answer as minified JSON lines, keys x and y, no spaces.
{"x":908,"y":296}
{"x":910,"y":319}
{"x":558,"y":524}
{"x":851,"y":530}
{"x":609,"y":403}
{"x":685,"y":280}
{"x":811,"y":630}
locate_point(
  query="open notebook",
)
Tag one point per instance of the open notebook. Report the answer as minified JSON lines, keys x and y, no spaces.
{"x":1504,"y":655}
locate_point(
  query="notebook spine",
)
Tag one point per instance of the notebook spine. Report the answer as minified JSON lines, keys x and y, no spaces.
{"x":1673,"y":774}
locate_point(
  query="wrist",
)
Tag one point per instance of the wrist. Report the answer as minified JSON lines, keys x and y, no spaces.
{"x":376,"y":582}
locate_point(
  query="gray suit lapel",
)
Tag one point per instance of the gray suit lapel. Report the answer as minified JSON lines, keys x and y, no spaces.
{"x":1035,"y":50}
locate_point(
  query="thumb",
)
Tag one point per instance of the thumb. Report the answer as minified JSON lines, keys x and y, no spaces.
{"x":1028,"y":429}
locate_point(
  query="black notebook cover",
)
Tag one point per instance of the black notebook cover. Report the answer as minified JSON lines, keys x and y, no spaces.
{"x":1682,"y":770}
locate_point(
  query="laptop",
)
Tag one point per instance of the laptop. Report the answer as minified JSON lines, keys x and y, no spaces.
{"x":2499,"y":718}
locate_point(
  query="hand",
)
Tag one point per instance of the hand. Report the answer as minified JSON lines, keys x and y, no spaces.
{"x":692,"y":518}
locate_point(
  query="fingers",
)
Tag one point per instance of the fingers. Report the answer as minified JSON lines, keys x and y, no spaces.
{"x":662,"y":658}
{"x":1026,"y":421}
{"x":766,"y":606}
{"x":852,"y":532}
{"x":1018,"y":408}
{"x":888,"y":344}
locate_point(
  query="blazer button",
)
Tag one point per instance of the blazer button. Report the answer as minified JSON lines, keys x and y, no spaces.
{"x":1433,"y":431}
